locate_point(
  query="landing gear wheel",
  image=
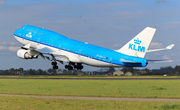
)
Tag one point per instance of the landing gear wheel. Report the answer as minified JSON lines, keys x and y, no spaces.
{"x":70,"y":68}
{"x":66,"y":66}
{"x":79,"y":66}
{"x":53,"y":63}
{"x":75,"y":66}
{"x":55,"y":67}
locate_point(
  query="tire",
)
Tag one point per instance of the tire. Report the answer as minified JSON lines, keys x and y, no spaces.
{"x":53,"y":63}
{"x":66,"y":66}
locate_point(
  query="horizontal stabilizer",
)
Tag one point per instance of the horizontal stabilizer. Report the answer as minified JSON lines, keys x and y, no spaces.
{"x":158,"y":61}
{"x":167,"y":48}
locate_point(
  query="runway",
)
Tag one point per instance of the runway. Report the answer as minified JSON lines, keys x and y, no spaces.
{"x":96,"y":78}
{"x":95,"y":98}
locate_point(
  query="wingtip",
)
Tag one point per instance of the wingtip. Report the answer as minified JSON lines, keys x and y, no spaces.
{"x":170,"y":46}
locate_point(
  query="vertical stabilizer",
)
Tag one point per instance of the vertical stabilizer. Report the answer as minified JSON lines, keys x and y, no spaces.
{"x":139,"y":44}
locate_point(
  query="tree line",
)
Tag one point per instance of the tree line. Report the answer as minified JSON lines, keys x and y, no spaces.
{"x":50,"y":71}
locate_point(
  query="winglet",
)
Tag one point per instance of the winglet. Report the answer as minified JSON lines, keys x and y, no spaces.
{"x":170,"y":46}
{"x":158,"y":61}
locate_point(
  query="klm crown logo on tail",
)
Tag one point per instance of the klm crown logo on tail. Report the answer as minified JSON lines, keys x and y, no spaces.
{"x":136,"y":46}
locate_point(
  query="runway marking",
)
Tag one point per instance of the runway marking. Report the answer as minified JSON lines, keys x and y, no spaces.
{"x":95,"y":98}
{"x":96,"y":78}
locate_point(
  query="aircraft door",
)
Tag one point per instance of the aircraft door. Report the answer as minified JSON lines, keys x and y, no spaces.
{"x":35,"y":32}
{"x":110,"y":60}
{"x":38,"y":41}
{"x":60,"y":45}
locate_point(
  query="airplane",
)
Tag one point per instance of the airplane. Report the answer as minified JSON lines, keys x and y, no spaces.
{"x":57,"y":48}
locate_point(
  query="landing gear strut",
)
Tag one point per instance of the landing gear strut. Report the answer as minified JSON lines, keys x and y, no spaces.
{"x":71,"y":65}
{"x":54,"y":65}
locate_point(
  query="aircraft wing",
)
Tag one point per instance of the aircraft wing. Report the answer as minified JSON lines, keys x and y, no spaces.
{"x":45,"y":52}
{"x":61,"y":58}
{"x":55,"y":56}
{"x":167,"y":48}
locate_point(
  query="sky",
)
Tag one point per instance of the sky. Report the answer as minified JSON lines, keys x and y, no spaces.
{"x":106,"y":23}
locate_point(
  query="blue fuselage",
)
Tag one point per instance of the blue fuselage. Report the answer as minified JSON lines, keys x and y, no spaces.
{"x":58,"y":41}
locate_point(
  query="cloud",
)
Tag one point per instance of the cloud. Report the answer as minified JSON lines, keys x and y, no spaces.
{"x":9,"y":46}
{"x":8,"y":43}
{"x":157,"y":54}
{"x":165,"y":57}
{"x":65,"y":21}
{"x":2,"y":2}
{"x":3,"y":48}
{"x":160,"y":1}
{"x":172,"y":24}
{"x":13,"y":49}
{"x":115,"y":5}
{"x":116,"y":46}
{"x":155,"y":45}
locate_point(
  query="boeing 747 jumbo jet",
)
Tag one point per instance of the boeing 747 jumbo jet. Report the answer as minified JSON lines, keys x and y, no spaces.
{"x":58,"y":48}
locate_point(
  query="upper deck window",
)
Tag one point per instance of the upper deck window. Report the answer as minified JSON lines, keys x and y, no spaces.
{"x":40,"y":33}
{"x":35,"y":32}
{"x":29,"y":30}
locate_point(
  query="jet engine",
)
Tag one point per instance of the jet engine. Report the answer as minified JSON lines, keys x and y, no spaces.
{"x":27,"y":54}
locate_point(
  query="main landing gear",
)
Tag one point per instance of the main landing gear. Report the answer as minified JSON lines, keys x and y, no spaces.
{"x":54,"y":65}
{"x":71,"y":65}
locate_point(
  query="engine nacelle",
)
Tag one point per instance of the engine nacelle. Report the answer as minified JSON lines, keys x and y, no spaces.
{"x":26,"y":54}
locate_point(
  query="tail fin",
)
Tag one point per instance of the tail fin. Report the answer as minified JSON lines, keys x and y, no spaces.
{"x":139,"y":44}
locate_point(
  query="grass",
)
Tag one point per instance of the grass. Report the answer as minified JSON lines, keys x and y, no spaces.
{"x":95,"y":88}
{"x":24,"y":103}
